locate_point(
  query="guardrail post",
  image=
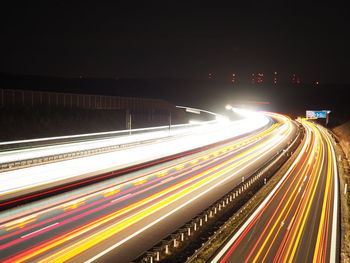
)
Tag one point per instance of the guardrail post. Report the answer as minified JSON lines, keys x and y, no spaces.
{"x":149,"y":256}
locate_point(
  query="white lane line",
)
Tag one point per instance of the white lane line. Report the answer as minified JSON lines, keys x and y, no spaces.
{"x":184,"y":204}
{"x":302,"y":196}
{"x":305,"y":178}
{"x":290,"y":224}
{"x":39,"y":230}
{"x":333,"y":253}
{"x":267,"y":199}
{"x":115,"y":200}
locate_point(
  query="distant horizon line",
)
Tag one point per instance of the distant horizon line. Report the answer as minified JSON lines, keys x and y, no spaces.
{"x":220,"y":79}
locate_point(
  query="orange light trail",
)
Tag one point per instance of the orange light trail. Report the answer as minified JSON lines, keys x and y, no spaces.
{"x":154,"y":203}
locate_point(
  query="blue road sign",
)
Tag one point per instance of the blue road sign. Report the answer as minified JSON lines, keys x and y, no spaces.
{"x":316,"y":114}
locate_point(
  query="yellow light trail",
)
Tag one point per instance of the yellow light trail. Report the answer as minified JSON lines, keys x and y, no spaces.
{"x":297,"y":226}
{"x":92,"y":240}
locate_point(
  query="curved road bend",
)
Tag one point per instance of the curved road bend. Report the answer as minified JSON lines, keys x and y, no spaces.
{"x":298,"y":222}
{"x":120,"y":221}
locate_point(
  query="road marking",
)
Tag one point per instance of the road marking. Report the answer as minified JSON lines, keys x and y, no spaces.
{"x":290,"y":224}
{"x":179,"y":167}
{"x":162,"y":174}
{"x":189,"y":201}
{"x":333,"y":252}
{"x":257,"y":211}
{"x":112,"y":192}
{"x":140,"y":182}
{"x":18,"y":223}
{"x":115,"y":200}
{"x":39,"y":230}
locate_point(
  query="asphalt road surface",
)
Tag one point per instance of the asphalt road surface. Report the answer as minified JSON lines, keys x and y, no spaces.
{"x":119,"y":221}
{"x":298,"y":222}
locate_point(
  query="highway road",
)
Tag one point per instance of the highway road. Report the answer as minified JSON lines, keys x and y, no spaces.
{"x":298,"y":221}
{"x":121,"y":219}
{"x":15,"y":184}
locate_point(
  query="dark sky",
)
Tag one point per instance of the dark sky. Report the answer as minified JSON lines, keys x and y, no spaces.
{"x":176,"y":39}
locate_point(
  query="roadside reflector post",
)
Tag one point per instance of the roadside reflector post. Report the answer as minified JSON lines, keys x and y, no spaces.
{"x":345,"y":188}
{"x":175,"y":242}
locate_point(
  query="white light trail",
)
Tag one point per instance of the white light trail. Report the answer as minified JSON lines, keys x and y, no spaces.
{"x":199,"y":136}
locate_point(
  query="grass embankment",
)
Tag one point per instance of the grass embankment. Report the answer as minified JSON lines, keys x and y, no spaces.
{"x":343,"y":134}
{"x":342,"y":149}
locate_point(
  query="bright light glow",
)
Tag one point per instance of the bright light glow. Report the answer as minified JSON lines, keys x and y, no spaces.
{"x":32,"y":153}
{"x":210,"y":179}
{"x":191,"y":138}
{"x":194,"y":121}
{"x":228,"y":107}
{"x":222,"y":119}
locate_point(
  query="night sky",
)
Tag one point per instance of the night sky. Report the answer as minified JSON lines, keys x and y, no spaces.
{"x":152,"y":39}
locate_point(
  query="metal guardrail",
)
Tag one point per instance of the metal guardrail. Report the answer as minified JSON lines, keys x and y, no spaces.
{"x":184,"y":234}
{"x":44,"y":142}
{"x":70,"y":155}
{"x":262,"y":173}
{"x":41,"y":142}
